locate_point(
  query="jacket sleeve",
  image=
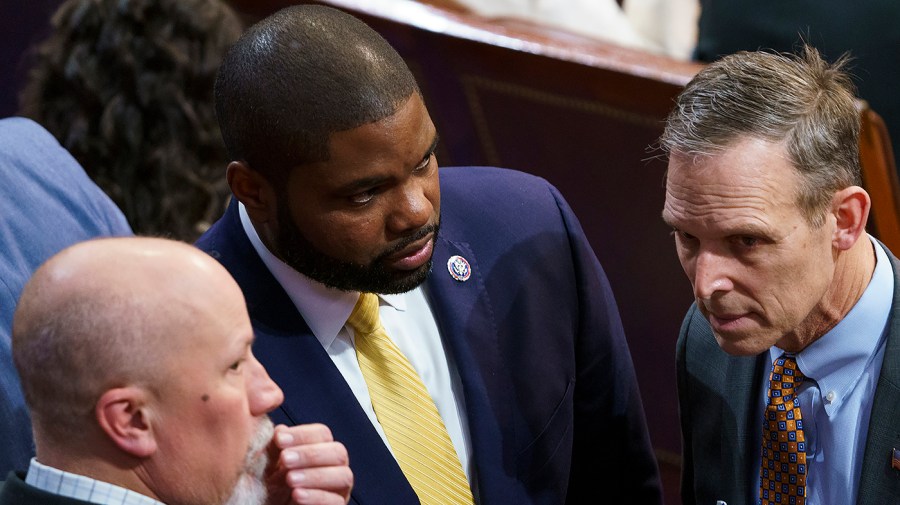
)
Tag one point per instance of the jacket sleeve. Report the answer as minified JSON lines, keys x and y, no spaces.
{"x":612,"y":449}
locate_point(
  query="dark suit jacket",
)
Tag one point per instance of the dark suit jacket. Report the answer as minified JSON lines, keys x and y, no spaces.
{"x":16,"y":492}
{"x":550,"y":392}
{"x":719,"y":447}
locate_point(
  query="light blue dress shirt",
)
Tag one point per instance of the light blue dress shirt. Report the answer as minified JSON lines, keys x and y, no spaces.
{"x":842,"y":369}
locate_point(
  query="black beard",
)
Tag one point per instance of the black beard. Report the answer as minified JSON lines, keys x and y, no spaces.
{"x":300,"y":254}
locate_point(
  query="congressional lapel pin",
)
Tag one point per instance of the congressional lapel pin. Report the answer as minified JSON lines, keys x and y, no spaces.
{"x":895,"y":459}
{"x":459,"y":268}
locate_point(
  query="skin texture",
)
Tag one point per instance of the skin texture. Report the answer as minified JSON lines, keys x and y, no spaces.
{"x":761,"y":274}
{"x":216,"y":394}
{"x":366,"y":218}
{"x":184,"y":420}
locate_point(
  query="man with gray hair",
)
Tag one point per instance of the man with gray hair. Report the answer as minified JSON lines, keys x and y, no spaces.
{"x":787,"y":376}
{"x":136,"y":364}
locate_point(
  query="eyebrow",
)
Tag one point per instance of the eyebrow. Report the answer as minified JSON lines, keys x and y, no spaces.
{"x":667,"y":219}
{"x":361,"y":184}
{"x":433,"y":146}
{"x":368,"y":182}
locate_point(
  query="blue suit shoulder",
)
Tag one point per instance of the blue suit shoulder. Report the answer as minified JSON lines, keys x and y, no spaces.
{"x":500,"y":200}
{"x":492,"y":185}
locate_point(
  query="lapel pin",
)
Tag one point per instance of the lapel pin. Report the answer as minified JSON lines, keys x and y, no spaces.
{"x":895,"y":459}
{"x":459,"y":268}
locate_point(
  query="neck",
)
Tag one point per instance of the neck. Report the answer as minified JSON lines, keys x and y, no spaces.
{"x":97,"y":461}
{"x":853,"y":270}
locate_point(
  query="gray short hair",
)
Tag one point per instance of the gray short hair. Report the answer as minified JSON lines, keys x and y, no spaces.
{"x":797,"y":100}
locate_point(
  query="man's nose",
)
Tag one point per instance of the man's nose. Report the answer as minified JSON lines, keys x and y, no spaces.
{"x":412,"y":208}
{"x":265,"y":395}
{"x":711,"y":275}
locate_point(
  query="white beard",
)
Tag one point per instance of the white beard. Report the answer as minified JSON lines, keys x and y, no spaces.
{"x":251,"y":488}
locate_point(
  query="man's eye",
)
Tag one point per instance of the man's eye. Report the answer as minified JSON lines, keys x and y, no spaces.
{"x":236,"y":365}
{"x":748,"y":241}
{"x":363,"y":197}
{"x":682,"y":235}
{"x":425,"y":161}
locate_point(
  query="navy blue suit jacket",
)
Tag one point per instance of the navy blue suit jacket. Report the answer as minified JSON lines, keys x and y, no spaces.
{"x":721,"y":421}
{"x":554,"y":411}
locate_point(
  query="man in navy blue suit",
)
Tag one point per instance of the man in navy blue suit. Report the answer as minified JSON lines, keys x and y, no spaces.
{"x":484,"y":279}
{"x":48,"y":203}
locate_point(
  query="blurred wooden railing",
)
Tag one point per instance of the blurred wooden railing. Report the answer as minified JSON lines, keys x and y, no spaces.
{"x":880,"y":177}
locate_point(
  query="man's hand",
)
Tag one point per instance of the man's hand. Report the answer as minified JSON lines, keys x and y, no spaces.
{"x":307,"y":467}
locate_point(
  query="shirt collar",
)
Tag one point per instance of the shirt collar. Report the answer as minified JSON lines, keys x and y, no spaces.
{"x":837,"y":360}
{"x":80,"y":487}
{"x":324,"y":309}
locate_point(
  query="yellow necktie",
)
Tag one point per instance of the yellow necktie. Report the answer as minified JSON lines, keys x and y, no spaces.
{"x":407,"y":413}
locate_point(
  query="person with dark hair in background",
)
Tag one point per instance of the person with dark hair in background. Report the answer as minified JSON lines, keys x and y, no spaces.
{"x":788,"y":381}
{"x":136,"y":362}
{"x":126,"y":87}
{"x":47,"y":203}
{"x":502,"y":374}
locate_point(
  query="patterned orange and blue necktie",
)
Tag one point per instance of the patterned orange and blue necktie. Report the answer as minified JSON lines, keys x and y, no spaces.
{"x":783,"y":472}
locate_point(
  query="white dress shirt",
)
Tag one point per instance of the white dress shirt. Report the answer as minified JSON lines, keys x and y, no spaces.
{"x":409,"y":322}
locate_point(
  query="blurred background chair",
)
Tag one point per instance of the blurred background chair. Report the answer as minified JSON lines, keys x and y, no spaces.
{"x":879,"y":174}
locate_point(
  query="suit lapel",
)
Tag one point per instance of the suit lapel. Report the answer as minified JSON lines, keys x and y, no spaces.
{"x":741,"y":410}
{"x":729,"y":387}
{"x":878,"y":481}
{"x":464,"y":314}
{"x":315,"y":391}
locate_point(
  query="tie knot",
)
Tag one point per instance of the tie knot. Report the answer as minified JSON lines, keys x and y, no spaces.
{"x":364,"y":318}
{"x":786,"y":376}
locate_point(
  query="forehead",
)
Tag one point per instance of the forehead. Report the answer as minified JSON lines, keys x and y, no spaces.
{"x":210,"y":311}
{"x":400,"y":140}
{"x":751,"y":182}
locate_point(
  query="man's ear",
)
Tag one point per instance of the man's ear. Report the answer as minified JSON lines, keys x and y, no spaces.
{"x":124,"y":415}
{"x":253,"y":190}
{"x":851,"y":207}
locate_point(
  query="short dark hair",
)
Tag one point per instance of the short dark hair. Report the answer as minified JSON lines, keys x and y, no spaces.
{"x":127,"y":88}
{"x":797,"y":100}
{"x":298,"y":76}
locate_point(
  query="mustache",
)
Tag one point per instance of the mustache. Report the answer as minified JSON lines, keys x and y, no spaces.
{"x":406,"y":241}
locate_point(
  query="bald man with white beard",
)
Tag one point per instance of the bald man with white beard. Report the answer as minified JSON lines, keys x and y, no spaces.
{"x":136,"y":362}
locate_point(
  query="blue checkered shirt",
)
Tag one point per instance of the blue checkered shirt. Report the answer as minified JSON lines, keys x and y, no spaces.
{"x":83,"y":488}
